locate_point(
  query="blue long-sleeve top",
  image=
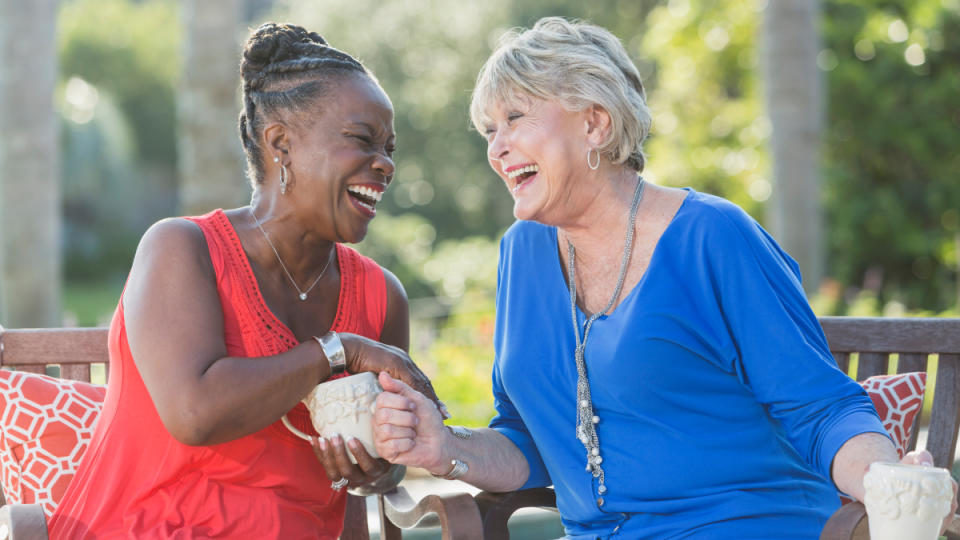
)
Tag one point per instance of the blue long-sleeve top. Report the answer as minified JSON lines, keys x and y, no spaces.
{"x":720,"y":405}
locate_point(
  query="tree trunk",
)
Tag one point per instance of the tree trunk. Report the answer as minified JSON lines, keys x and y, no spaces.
{"x":794,"y":105}
{"x":30,"y":261}
{"x":210,"y":158}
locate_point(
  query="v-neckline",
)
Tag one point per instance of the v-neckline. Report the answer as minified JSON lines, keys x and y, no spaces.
{"x":282,"y":328}
{"x":562,"y":278}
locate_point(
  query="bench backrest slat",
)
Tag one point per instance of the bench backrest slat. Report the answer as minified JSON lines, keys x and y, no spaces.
{"x":945,"y":417}
{"x":875,"y":334}
{"x":25,"y":348}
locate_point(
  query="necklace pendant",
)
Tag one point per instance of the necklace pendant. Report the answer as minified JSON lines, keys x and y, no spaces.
{"x":303,"y":296}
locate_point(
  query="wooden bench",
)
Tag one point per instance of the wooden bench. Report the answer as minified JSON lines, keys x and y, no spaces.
{"x":874,"y":341}
{"x":74,"y":350}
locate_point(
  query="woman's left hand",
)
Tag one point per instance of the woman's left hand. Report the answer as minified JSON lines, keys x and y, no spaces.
{"x":922,"y":457}
{"x":332,"y":453}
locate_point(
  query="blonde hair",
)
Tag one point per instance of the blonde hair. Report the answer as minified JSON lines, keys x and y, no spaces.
{"x":577,"y":63}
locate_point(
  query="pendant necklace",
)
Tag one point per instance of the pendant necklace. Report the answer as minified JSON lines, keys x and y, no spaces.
{"x":303,"y":294}
{"x":586,"y":420}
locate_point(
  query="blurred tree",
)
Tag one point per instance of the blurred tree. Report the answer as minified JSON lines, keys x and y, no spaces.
{"x":426,"y":54}
{"x":891,"y":159}
{"x":29,"y":174}
{"x":794,"y":104}
{"x":211,"y":161}
{"x":119,"y":67}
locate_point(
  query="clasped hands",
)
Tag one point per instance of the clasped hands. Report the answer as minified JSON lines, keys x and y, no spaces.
{"x":371,"y":475}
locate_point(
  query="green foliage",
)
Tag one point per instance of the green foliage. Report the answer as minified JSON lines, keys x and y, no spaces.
{"x":131,"y":50}
{"x":118,"y":73}
{"x":891,"y":148}
{"x":709,"y":130}
{"x":426,"y":55}
{"x":460,"y":361}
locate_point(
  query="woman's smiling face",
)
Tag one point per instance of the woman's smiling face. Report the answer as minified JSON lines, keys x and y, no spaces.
{"x":342,"y":157}
{"x":537,"y":147}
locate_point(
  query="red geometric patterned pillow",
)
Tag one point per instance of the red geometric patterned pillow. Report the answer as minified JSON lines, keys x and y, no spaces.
{"x":898,"y":399}
{"x":45,"y":426}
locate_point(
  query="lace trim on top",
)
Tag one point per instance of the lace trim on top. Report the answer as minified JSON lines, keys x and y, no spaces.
{"x":263,"y":333}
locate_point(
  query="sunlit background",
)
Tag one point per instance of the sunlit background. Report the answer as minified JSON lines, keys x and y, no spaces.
{"x":889,"y":160}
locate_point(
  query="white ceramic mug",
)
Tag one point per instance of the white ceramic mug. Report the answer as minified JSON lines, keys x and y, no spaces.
{"x":343,"y":406}
{"x":906,"y":501}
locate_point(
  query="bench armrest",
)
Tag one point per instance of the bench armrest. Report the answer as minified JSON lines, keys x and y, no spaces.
{"x":496,"y":508}
{"x":456,"y":514}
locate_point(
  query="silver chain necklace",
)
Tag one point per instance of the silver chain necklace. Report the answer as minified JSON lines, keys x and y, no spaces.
{"x":303,"y":294}
{"x":586,"y":420}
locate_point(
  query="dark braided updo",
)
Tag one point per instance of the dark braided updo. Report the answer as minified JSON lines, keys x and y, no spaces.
{"x":284,"y":68}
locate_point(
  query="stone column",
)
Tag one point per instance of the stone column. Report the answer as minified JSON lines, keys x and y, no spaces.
{"x":30,"y":221}
{"x":211,"y":162}
{"x":794,"y":89}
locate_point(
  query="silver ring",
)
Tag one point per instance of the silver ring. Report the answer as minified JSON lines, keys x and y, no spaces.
{"x":338,"y":485}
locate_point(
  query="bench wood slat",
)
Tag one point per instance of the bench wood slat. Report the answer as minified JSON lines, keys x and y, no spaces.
{"x":917,"y":335}
{"x":75,"y":372}
{"x":843,"y":361}
{"x":42,"y":346}
{"x":911,"y":363}
{"x":945,"y":418}
{"x":871,"y":364}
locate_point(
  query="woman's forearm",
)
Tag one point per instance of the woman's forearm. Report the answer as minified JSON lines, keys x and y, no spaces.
{"x":496,"y":464}
{"x":854,"y":458}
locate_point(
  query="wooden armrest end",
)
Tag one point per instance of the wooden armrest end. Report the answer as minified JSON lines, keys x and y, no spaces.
{"x":496,"y":508}
{"x":458,"y":514}
{"x":953,"y":531}
{"x":849,"y":522}
{"x":22,"y":522}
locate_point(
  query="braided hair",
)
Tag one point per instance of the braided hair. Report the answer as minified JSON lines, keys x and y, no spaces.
{"x":284,"y":68}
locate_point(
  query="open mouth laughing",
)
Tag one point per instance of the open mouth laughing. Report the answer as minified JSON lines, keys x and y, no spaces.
{"x":521,"y":174}
{"x":365,"y":197}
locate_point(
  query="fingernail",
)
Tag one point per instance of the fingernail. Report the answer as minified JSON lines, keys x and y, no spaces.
{"x":352,"y":442}
{"x":322,"y":443}
{"x":335,"y":438}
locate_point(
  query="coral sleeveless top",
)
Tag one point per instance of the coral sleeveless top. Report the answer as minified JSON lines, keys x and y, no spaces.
{"x":137,"y":481}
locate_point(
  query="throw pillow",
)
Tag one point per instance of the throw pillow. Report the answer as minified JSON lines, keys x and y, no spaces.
{"x":45,"y":426}
{"x":898,"y":399}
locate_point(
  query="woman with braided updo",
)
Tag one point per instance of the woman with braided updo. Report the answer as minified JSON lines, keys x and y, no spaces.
{"x":229,"y":319}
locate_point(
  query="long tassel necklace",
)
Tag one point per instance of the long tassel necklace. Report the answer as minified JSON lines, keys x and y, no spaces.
{"x":303,"y":294}
{"x":586,"y":420}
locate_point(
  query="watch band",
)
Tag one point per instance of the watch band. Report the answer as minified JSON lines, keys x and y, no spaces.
{"x":333,"y":350}
{"x":458,"y":469}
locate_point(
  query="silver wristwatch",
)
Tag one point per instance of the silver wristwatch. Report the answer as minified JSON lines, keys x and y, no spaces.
{"x":333,"y":350}
{"x":458,"y":469}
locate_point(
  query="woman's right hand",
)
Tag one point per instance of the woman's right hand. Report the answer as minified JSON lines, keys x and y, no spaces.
{"x":364,"y":354}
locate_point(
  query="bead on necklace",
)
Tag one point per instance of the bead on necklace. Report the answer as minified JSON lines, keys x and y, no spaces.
{"x":586,"y":419}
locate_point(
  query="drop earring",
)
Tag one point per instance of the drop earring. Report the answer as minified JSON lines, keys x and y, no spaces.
{"x":283,"y":176}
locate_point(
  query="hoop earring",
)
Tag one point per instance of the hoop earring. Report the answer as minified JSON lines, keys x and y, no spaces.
{"x":592,"y":166}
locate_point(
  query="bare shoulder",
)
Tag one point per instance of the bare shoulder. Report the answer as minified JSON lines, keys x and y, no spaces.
{"x":172,"y":241}
{"x":395,"y":289}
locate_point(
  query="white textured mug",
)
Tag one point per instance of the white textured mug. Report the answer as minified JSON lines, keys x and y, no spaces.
{"x":906,"y":501}
{"x":343,"y":406}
